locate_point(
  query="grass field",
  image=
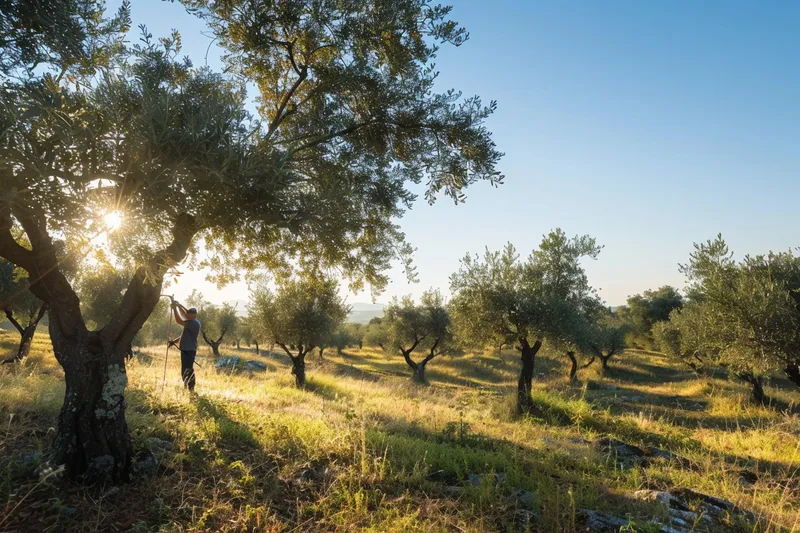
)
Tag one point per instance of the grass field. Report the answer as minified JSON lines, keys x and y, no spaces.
{"x":364,"y":449}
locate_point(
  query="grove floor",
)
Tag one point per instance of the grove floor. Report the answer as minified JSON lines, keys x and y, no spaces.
{"x":364,"y":449}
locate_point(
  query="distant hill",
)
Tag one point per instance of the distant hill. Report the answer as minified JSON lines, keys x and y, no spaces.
{"x":362,"y":313}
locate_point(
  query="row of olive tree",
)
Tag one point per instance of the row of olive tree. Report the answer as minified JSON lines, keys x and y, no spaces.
{"x":744,"y":315}
{"x":348,"y":124}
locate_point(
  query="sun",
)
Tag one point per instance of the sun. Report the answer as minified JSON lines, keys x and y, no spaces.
{"x":112,"y":220}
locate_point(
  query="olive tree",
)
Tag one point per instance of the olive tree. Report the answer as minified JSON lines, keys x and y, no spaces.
{"x":22,"y":309}
{"x":250,"y":331}
{"x":645,"y":310}
{"x":501,"y":299}
{"x":375,"y":333}
{"x":748,"y":311}
{"x":425,"y":326}
{"x":243,"y":333}
{"x":217,"y":322}
{"x":67,"y":36}
{"x":685,"y":337}
{"x":298,"y":316}
{"x":495,"y":301}
{"x":355,"y":334}
{"x":571,"y":330}
{"x":348,"y":124}
{"x":606,"y":338}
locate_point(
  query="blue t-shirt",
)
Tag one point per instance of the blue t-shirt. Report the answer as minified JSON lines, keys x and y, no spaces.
{"x":191,"y":328}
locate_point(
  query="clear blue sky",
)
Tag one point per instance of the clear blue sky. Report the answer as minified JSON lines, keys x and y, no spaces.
{"x":649,"y":125}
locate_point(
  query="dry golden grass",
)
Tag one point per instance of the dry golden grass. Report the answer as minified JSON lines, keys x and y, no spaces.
{"x":364,"y":449}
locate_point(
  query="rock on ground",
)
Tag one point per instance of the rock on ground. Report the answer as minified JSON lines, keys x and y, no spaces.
{"x":256,"y":366}
{"x":230,"y":364}
{"x":688,"y":509}
{"x":630,"y":455}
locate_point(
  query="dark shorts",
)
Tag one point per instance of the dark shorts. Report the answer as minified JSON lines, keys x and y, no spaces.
{"x":187,"y":368}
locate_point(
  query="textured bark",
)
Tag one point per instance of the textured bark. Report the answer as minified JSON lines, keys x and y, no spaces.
{"x":419,"y":371}
{"x":525,"y":382}
{"x":256,"y":343}
{"x":299,"y":371}
{"x":92,"y":437}
{"x":298,"y":362}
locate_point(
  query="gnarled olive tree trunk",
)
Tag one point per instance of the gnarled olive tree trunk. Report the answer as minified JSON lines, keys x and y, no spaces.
{"x":525,"y":382}
{"x":757,"y":383}
{"x":215,"y":344}
{"x":298,"y":362}
{"x":573,"y":371}
{"x":418,"y":368}
{"x":92,"y":438}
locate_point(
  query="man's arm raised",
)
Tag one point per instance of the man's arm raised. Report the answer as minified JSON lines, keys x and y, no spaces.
{"x":178,"y":310}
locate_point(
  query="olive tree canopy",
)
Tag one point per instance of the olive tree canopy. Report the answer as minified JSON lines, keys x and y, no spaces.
{"x":349,"y":121}
{"x":746,"y":314}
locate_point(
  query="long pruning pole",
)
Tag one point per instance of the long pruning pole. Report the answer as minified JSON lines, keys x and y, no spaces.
{"x":169,"y":338}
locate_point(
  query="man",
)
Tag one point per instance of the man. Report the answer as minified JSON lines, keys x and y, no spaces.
{"x":187,"y":343}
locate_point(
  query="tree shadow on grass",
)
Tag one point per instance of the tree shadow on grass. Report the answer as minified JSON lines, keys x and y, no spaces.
{"x":230,"y":433}
{"x":483,"y":470}
{"x":327,"y":391}
{"x":645,"y":374}
{"x":352,"y":371}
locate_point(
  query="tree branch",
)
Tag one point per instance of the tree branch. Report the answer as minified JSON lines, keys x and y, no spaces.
{"x":46,"y":281}
{"x":39,"y":315}
{"x":205,"y":338}
{"x":10,"y":317}
{"x":407,"y":356}
{"x":330,"y":137}
{"x":10,"y":249}
{"x":285,"y":349}
{"x":279,"y":114}
{"x":144,"y":289}
{"x":224,"y":330}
